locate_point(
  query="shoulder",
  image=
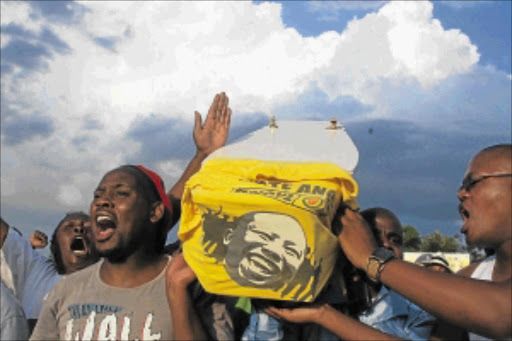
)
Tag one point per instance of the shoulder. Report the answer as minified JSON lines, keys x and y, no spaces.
{"x":88,"y":272}
{"x":78,"y":278}
{"x":487,"y":263}
{"x":468,"y":270}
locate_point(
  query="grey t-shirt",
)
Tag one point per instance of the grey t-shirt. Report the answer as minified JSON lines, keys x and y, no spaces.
{"x":82,"y":307}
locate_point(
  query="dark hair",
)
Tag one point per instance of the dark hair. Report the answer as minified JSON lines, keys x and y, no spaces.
{"x":150,"y":192}
{"x":370,"y":216}
{"x":54,"y":243}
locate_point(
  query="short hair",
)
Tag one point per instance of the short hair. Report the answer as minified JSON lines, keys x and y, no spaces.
{"x":370,"y":216}
{"x":54,"y":243}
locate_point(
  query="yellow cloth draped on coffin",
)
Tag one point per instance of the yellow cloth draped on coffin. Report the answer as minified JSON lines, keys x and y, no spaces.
{"x":262,"y":229}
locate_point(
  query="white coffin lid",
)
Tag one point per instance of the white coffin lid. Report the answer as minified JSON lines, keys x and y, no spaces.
{"x":301,"y":141}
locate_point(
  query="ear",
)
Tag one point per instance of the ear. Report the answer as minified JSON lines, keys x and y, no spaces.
{"x":157,"y":212}
{"x":228,"y":235}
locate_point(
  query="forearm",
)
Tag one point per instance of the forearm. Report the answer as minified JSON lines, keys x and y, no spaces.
{"x":193,"y":167}
{"x":348,"y":328}
{"x":185,"y":321}
{"x":481,"y":307}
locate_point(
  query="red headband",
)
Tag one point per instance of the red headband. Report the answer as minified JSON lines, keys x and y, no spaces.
{"x":159,"y":184}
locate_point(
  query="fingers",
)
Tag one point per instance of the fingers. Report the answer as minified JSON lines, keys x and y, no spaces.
{"x":228,"y":120}
{"x":212,"y":112}
{"x":178,"y":262}
{"x":218,"y":113}
{"x":223,"y":109}
{"x":274,"y":312}
{"x":179,"y":274}
{"x":40,"y":236}
{"x":198,"y":124}
{"x":356,"y":238}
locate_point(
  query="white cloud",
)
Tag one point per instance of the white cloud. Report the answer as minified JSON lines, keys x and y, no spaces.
{"x":69,"y":195}
{"x":18,"y":12}
{"x":402,"y":42}
{"x":170,"y":58}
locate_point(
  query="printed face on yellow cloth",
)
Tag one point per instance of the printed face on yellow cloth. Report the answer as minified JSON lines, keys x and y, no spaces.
{"x":264,"y":249}
{"x":246,"y":232}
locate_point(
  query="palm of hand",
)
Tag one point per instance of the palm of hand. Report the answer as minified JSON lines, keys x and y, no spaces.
{"x":296,"y":315}
{"x":210,"y":137}
{"x":214,"y":133}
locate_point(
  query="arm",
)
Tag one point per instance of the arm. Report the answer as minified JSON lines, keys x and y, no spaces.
{"x":185,"y":321}
{"x":208,"y":137}
{"x":478,"y":306}
{"x":340,"y":324}
{"x":26,"y":271}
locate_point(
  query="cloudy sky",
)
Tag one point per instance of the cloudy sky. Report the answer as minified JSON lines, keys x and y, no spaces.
{"x":88,"y":86}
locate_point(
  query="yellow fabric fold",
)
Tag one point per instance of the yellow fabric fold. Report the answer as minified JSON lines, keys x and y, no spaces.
{"x":262,"y":229}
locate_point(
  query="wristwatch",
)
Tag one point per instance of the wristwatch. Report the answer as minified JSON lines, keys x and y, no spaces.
{"x":377,"y":261}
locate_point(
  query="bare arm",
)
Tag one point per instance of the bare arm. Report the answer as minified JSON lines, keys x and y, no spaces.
{"x":185,"y":321}
{"x":338,"y":323}
{"x":208,"y":137}
{"x":478,"y":306}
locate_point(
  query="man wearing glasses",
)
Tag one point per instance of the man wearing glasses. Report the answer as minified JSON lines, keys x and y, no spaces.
{"x":486,"y":208}
{"x":481,"y":305}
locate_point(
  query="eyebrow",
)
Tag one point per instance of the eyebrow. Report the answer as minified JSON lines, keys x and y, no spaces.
{"x":102,"y":188}
{"x":393,"y":234}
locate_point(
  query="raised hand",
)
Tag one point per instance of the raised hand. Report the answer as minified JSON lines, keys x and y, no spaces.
{"x":38,"y":240}
{"x":213,"y":134}
{"x":356,"y":239}
{"x":179,"y":274}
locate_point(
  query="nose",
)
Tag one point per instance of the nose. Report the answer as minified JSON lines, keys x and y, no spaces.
{"x":462,"y":194}
{"x":103,"y":201}
{"x":387,"y":245}
{"x":79,"y":229}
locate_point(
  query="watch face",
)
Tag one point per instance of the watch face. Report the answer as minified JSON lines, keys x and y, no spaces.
{"x":383,"y":253}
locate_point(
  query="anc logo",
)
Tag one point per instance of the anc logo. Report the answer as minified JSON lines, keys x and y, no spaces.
{"x":312,"y":202}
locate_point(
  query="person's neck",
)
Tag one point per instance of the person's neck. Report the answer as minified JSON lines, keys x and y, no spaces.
{"x":135,"y":270}
{"x":503,"y":265}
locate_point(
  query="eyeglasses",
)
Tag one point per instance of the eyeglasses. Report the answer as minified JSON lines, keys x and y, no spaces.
{"x":468,"y":183}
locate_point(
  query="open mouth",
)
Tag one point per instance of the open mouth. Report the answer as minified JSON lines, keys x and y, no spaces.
{"x":105,"y":222}
{"x":79,"y":246}
{"x":464,"y":214}
{"x":105,"y":227}
{"x":263,"y":265}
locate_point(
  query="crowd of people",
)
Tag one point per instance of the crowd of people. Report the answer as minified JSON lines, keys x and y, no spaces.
{"x":111,"y":276}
